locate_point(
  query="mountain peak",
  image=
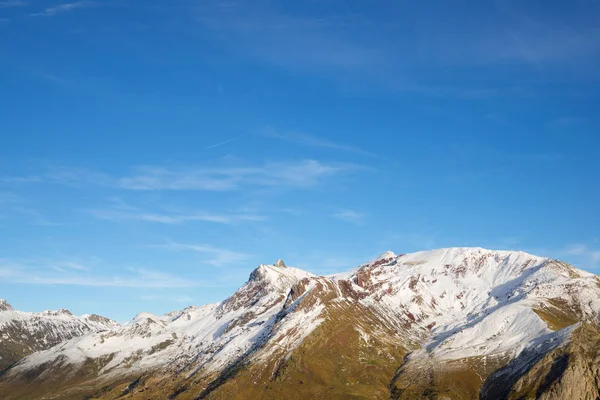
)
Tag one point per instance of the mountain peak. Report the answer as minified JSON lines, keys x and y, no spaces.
{"x":4,"y":306}
{"x":483,"y":306}
{"x":60,"y":312}
{"x":278,"y":275}
{"x":386,"y":255}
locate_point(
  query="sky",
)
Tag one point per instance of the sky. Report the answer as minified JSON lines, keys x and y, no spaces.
{"x":153,"y":153}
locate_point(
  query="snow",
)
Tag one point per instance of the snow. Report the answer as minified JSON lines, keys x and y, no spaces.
{"x":54,"y":320}
{"x":455,"y":302}
{"x":212,"y":335}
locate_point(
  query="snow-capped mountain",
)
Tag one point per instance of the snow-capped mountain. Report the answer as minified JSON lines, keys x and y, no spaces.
{"x":399,"y":326}
{"x":22,"y":333}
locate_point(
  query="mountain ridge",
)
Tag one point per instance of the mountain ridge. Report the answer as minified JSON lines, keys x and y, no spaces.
{"x":435,"y":310}
{"x":23,"y":333}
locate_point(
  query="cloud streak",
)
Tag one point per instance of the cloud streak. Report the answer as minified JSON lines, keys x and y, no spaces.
{"x":214,"y":255}
{"x":395,"y":50}
{"x":587,"y":253}
{"x":122,"y":211}
{"x":224,"y":142}
{"x":12,"y":3}
{"x":301,"y":174}
{"x":60,"y":274}
{"x":119,"y":215}
{"x":62,"y":8}
{"x":351,"y":216}
{"x":219,"y":178}
{"x":303,"y":139}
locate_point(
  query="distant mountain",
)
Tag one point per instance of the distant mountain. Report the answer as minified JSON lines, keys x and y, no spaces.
{"x":23,"y":333}
{"x":458,"y":323}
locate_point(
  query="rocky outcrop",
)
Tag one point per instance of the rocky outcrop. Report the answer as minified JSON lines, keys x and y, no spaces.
{"x":23,"y":333}
{"x":457,"y":323}
{"x":571,"y":371}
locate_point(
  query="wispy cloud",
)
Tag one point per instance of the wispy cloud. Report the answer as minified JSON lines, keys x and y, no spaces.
{"x":303,"y":139}
{"x":9,"y":197}
{"x":587,"y":253}
{"x":176,"y":299}
{"x":213,"y":255}
{"x":36,"y":217}
{"x":119,"y":210}
{"x":12,"y":3}
{"x":287,"y":40}
{"x":351,"y":216}
{"x":219,"y":144}
{"x":397,"y":50}
{"x":62,"y":8}
{"x":73,"y":265}
{"x":576,"y":249}
{"x":567,"y":122}
{"x":224,"y":176}
{"x":118,"y":215}
{"x":292,"y":174}
{"x":69,"y":176}
{"x":21,"y":179}
{"x":17,"y":205}
{"x":72,"y":274}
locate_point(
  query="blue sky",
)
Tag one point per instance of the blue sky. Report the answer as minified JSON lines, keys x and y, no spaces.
{"x":153,"y":153}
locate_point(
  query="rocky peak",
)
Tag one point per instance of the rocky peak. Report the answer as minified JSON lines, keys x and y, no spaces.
{"x":62,"y":311}
{"x":278,"y":275}
{"x":265,"y":282}
{"x":4,"y":306}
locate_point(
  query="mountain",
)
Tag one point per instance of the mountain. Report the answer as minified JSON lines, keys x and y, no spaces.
{"x":458,"y":323}
{"x":23,"y":333}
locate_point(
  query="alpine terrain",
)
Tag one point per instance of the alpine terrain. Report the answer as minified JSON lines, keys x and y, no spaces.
{"x":457,"y":323}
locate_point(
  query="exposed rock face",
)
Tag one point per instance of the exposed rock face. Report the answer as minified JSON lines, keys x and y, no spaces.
{"x":4,"y":306}
{"x":23,"y":333}
{"x":457,"y":323}
{"x":568,"y":372}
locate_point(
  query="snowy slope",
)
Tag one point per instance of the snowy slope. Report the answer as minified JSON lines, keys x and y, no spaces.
{"x":52,"y":323}
{"x":475,"y":301}
{"x":22,"y":333}
{"x":453,"y":303}
{"x":210,"y":336}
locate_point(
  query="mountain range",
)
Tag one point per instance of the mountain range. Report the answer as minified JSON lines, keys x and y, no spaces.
{"x":456,"y":323}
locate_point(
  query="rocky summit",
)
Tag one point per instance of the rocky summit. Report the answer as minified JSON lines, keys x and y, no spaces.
{"x":457,"y":323}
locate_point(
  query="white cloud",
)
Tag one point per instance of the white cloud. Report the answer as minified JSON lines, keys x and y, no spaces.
{"x":37,"y":218}
{"x":349,"y":216}
{"x":177,"y":299}
{"x":74,"y":265}
{"x":304,"y":173}
{"x":303,"y":139}
{"x":118,"y":215}
{"x":59,"y":274}
{"x":61,"y":8}
{"x":577,"y":249}
{"x":9,"y":198}
{"x":214,"y":256}
{"x":222,"y":176}
{"x":288,"y":41}
{"x":12,"y":3}
{"x":588,"y":255}
{"x":224,"y":142}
